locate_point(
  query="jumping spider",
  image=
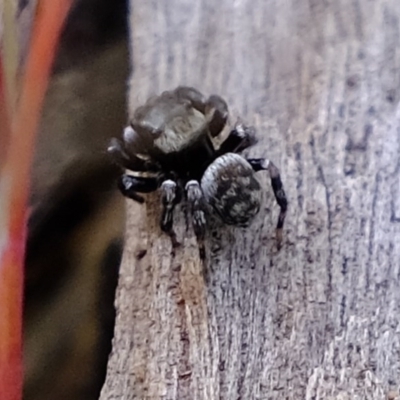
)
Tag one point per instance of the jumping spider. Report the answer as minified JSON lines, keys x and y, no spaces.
{"x":170,"y":139}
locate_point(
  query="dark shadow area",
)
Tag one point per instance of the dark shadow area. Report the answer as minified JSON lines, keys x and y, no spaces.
{"x":76,"y":224}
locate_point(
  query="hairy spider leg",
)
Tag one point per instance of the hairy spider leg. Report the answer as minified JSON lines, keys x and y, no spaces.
{"x":170,"y":197}
{"x":240,"y":138}
{"x":129,"y":185}
{"x":216,"y":112}
{"x":259,"y":164}
{"x":196,"y":201}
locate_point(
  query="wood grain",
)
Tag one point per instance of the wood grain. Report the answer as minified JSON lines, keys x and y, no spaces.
{"x":320,"y":318}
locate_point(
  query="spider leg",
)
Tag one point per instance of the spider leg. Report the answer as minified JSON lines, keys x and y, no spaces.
{"x":129,"y":185}
{"x":196,"y":201}
{"x":259,"y":164}
{"x":170,"y":197}
{"x":239,"y":138}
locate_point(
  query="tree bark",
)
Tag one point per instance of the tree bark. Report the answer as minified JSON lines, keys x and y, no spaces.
{"x":318,"y":319}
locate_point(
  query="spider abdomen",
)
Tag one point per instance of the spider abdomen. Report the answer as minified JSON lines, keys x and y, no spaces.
{"x":232,"y":190}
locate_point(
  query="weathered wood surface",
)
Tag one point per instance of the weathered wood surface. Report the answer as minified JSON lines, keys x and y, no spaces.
{"x":320,"y":318}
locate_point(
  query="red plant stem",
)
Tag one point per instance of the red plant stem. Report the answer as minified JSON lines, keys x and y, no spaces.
{"x":5,"y":130}
{"x":48,"y":23}
{"x":15,"y":175}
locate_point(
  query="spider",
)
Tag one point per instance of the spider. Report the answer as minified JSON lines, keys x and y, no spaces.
{"x":169,"y":143}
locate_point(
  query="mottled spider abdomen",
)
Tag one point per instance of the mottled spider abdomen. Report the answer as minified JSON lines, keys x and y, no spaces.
{"x":230,"y":187}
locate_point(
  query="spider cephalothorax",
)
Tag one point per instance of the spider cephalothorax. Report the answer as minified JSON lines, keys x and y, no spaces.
{"x":171,"y":139}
